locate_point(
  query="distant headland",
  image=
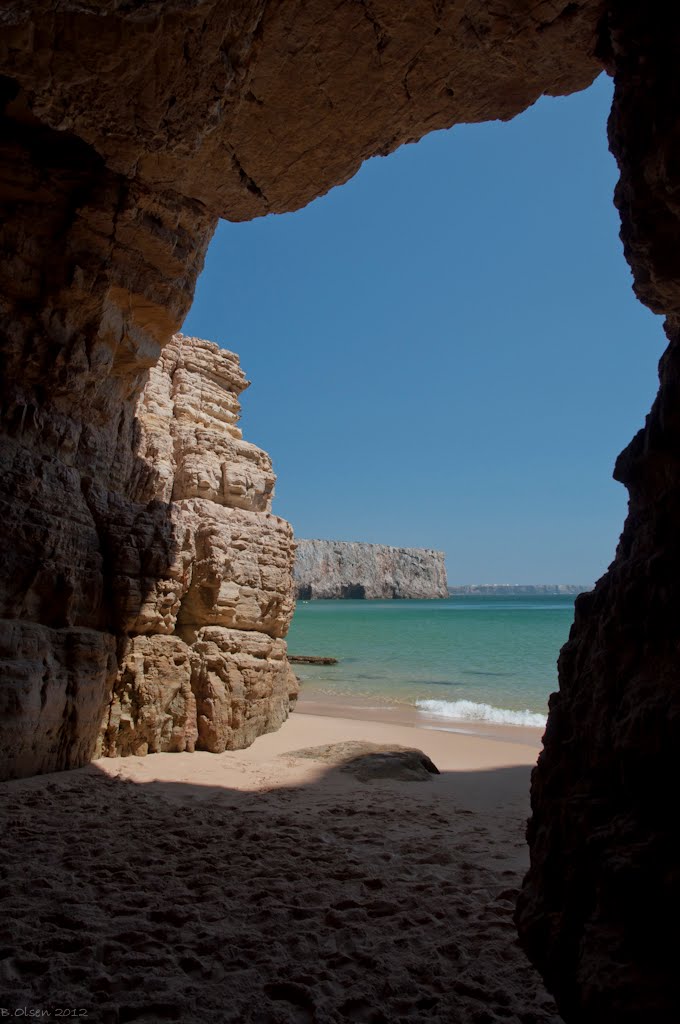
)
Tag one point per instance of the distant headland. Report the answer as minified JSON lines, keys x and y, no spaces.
{"x":330,"y":569}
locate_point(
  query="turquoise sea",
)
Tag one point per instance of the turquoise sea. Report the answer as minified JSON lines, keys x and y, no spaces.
{"x":488,"y":659}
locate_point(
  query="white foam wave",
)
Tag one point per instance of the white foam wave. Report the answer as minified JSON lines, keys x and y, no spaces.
{"x":470,"y":711}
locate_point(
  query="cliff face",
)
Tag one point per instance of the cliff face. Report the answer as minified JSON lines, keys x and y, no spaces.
{"x":338,"y":569}
{"x":186,"y":580}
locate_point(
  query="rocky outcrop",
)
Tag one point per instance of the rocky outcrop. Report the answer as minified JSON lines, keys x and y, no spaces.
{"x":196,"y":574}
{"x":342,"y":569}
{"x":205,"y":663}
{"x":371,"y":761}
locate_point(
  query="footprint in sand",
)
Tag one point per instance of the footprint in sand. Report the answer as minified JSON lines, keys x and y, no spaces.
{"x":297,"y":996}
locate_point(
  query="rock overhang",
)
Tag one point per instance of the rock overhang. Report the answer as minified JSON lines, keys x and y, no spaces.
{"x":254,"y":107}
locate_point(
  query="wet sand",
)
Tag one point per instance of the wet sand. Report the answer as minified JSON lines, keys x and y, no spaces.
{"x":369,"y":709}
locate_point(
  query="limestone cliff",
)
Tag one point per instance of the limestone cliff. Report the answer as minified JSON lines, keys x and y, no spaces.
{"x":198,"y":576}
{"x":341,"y":569}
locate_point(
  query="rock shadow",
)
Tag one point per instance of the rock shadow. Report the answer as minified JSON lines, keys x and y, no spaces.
{"x":337,"y":900}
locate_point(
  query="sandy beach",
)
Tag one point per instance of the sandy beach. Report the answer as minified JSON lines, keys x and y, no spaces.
{"x":260,"y":886}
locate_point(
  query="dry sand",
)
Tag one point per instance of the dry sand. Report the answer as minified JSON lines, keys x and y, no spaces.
{"x":259,"y":887}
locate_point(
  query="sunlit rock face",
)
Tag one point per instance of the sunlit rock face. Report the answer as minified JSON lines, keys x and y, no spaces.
{"x":340,"y":569}
{"x":180,"y":685}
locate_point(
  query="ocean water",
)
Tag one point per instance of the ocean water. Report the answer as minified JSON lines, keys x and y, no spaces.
{"x":483,"y":659}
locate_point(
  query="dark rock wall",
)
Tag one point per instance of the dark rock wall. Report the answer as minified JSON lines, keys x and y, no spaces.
{"x":603,"y":894}
{"x":96,"y":273}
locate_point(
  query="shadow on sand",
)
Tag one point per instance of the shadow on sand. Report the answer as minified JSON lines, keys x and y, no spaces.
{"x":339,"y":900}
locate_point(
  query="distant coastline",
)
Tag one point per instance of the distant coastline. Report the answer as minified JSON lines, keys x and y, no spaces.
{"x":331,"y":569}
{"x":519,"y":589}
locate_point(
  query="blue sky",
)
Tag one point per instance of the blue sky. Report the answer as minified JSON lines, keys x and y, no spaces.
{"x":446,"y":351}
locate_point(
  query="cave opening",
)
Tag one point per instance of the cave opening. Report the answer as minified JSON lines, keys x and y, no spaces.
{"x":569,"y":416}
{"x":512,"y":390}
{"x":194,"y":119}
{"x":506,"y":378}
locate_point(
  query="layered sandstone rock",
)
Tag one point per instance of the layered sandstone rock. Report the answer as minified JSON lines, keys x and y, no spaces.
{"x":243,"y":685}
{"x":118,"y":665}
{"x":203,"y":589}
{"x":342,"y":569}
{"x":54,"y":688}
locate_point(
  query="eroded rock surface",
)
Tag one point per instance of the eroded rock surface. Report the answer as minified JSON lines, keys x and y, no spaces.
{"x":123,"y":661}
{"x":340,"y":569}
{"x":254,"y":107}
{"x":206,"y":608}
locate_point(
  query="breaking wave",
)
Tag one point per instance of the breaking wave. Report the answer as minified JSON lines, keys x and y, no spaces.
{"x":470,"y":711}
